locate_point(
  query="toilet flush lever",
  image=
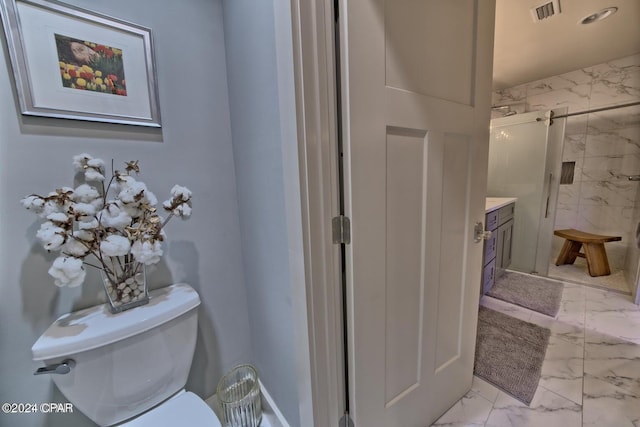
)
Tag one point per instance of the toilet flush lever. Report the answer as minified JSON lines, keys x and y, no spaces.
{"x":61,"y":368}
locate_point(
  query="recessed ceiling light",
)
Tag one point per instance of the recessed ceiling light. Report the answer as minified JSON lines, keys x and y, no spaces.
{"x":599,"y":16}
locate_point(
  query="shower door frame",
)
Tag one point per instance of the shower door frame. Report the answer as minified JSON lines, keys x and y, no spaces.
{"x":546,"y":209}
{"x":553,"y":166}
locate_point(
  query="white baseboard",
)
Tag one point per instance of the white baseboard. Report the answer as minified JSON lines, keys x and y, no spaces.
{"x":272,"y":410}
{"x":271,"y":415}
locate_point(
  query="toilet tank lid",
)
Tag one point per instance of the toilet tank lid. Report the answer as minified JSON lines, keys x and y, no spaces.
{"x":95,"y":326}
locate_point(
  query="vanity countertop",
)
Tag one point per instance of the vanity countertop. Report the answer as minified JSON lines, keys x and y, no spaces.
{"x":493,"y":203}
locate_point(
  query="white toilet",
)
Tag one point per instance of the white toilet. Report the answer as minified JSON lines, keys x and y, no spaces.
{"x":129,"y":369}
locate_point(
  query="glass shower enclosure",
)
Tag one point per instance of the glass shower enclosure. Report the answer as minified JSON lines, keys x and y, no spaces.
{"x":525,"y":161}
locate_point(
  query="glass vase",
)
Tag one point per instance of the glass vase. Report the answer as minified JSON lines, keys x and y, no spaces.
{"x":239,"y":395}
{"x":125,"y":284}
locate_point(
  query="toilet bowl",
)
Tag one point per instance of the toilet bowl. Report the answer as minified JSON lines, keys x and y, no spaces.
{"x":129,"y":369}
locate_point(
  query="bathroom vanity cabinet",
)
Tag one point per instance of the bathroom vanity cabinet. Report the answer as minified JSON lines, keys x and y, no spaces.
{"x":497,"y":249}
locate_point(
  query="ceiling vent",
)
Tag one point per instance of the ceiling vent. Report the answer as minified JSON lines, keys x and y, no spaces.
{"x":546,"y":10}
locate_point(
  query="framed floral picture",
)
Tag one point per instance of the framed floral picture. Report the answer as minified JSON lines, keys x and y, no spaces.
{"x":71,"y":63}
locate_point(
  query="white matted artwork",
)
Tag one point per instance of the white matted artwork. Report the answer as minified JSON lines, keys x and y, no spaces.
{"x":75,"y":64}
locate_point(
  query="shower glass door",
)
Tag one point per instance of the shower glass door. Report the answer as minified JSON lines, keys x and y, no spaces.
{"x":524,"y":162}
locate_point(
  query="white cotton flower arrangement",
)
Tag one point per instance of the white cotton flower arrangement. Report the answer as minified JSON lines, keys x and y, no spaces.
{"x":90,"y":229}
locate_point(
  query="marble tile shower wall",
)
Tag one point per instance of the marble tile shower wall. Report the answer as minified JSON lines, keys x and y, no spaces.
{"x":605,"y":147}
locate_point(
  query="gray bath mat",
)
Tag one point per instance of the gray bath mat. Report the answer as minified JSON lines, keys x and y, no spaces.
{"x":532,"y":292}
{"x":509,"y":353}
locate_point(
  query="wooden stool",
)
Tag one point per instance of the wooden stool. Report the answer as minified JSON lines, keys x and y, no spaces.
{"x":594,"y":251}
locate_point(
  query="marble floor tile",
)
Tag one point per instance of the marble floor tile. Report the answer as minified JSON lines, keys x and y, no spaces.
{"x":591,"y":372}
{"x":563,"y":368}
{"x":572,"y":305}
{"x":569,"y":332}
{"x":506,"y":308}
{"x":607,"y":405}
{"x":472,"y":410}
{"x":624,"y":324}
{"x":546,"y":409}
{"x":567,"y":325}
{"x":578,"y":273}
{"x":602,"y":300}
{"x":612,"y":314}
{"x":612,"y":360}
{"x":486,"y":390}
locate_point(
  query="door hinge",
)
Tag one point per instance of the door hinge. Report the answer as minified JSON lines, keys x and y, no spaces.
{"x":345,"y":421}
{"x":341,"y":230}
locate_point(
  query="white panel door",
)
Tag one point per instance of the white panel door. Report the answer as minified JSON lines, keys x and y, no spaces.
{"x":416,"y":105}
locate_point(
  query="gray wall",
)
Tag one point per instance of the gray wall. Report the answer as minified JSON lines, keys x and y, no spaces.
{"x":193,"y":148}
{"x":261,"y":94}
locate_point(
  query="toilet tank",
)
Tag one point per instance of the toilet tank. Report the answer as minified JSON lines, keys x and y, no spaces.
{"x":125,"y":363}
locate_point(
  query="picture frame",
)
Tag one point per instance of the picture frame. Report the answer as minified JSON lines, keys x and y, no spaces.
{"x":72,"y":63}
